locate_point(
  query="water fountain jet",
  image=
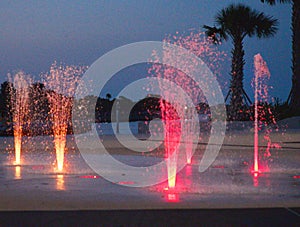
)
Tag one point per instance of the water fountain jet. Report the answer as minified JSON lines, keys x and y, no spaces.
{"x":261,"y":118}
{"x":61,"y":82}
{"x":198,"y":44}
{"x":19,"y":93}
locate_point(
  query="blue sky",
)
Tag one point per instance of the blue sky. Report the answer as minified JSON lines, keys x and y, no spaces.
{"x":35,"y":33}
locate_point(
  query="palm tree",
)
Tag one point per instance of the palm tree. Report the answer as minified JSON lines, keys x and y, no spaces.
{"x":294,"y":96}
{"x":238,"y":21}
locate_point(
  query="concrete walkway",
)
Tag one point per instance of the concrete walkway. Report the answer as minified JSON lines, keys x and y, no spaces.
{"x":206,"y":197}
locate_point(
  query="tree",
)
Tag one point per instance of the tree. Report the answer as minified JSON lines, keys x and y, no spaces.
{"x":238,"y":21}
{"x":294,"y":96}
{"x":5,"y":100}
{"x":108,"y":96}
{"x":39,"y":109}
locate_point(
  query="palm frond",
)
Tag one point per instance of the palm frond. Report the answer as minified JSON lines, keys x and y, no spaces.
{"x":265,"y":26}
{"x":273,"y":2}
{"x":239,"y":20}
{"x":216,"y":34}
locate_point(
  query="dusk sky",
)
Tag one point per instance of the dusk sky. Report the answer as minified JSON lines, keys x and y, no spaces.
{"x":35,"y":33}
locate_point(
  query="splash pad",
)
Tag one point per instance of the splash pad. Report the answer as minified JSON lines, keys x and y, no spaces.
{"x":221,"y":185}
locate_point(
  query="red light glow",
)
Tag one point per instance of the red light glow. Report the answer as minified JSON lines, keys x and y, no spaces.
{"x":38,"y":167}
{"x":255,"y":177}
{"x":172,"y":198}
{"x":126,"y":182}
{"x":90,"y":177}
{"x":171,"y":195}
{"x":219,"y":167}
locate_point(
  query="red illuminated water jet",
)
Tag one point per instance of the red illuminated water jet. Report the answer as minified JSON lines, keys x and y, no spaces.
{"x":263,"y":115}
{"x":176,"y":136}
{"x":184,"y":182}
{"x":257,"y":64}
{"x":172,"y":131}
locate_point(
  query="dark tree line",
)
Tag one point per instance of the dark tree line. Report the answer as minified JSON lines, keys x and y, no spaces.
{"x":38,"y":109}
{"x":39,"y":119}
{"x":144,"y":110}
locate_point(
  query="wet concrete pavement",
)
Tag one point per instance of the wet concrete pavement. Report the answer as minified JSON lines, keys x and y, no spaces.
{"x":222,"y":193}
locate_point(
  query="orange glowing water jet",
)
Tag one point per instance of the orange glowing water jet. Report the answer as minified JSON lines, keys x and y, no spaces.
{"x":60,"y":107}
{"x":17,"y":143}
{"x":62,"y":81}
{"x":19,"y":92}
